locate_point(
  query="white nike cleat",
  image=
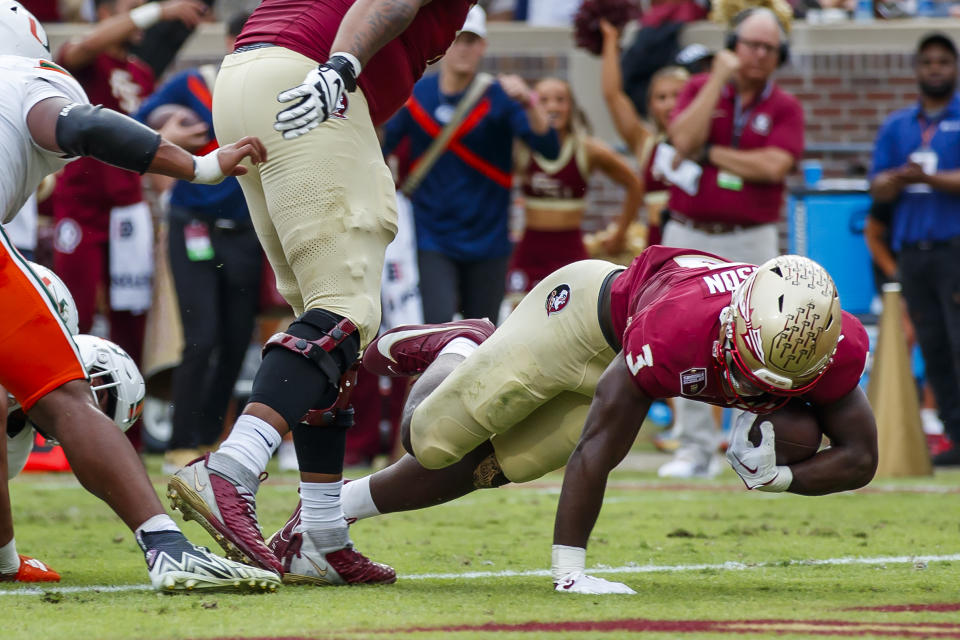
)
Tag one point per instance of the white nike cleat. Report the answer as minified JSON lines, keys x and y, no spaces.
{"x":324,"y":557}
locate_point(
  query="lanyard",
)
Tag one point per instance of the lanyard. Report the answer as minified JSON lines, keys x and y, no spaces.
{"x":741,"y":117}
{"x":928,"y":129}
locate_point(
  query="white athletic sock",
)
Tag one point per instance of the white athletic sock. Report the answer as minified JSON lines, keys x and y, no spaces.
{"x":460,"y":346}
{"x":251,"y":443}
{"x":9,"y":560}
{"x":159,"y":522}
{"x":321,"y":505}
{"x":357,"y":501}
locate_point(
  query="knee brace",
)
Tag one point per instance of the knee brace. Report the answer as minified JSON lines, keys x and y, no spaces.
{"x":488,"y":474}
{"x":304,"y":369}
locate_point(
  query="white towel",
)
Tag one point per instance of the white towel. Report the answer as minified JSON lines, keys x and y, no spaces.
{"x":400,"y":286}
{"x":131,"y":258}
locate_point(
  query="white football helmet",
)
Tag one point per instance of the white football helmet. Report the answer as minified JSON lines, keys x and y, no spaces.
{"x":62,"y":299}
{"x":781,"y":329}
{"x":113,"y":372}
{"x":21,"y":34}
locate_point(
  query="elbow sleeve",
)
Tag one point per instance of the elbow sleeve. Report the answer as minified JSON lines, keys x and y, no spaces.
{"x":108,"y":136}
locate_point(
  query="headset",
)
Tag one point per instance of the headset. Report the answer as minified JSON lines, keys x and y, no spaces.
{"x":737,"y":20}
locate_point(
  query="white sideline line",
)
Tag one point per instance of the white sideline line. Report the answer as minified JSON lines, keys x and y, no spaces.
{"x":475,"y":575}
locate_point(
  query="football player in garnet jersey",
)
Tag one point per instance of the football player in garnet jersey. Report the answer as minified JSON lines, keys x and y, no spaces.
{"x":324,"y":209}
{"x":579,"y":377}
{"x":45,"y":122}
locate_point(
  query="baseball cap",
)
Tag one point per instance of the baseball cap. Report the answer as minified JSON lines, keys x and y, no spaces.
{"x":476,"y":21}
{"x":694,"y":57}
{"x":937,"y":38}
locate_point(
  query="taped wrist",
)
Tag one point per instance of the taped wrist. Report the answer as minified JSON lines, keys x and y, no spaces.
{"x":298,"y":372}
{"x":108,"y":136}
{"x":779,"y":484}
{"x":348,"y":67}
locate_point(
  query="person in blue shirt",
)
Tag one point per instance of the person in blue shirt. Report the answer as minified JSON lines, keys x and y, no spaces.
{"x":916,"y":168}
{"x":216,"y":262}
{"x":461,"y":207}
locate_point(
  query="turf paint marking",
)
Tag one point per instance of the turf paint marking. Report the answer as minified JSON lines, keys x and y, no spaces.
{"x":760,"y":626}
{"x":627,"y":569}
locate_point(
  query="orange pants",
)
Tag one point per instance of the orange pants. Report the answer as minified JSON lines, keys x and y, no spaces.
{"x":37,"y":354}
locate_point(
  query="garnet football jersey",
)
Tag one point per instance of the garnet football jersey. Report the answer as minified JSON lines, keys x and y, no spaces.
{"x":667,"y":307}
{"x":309,"y":27}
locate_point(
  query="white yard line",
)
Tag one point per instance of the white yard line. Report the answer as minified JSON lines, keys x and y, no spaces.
{"x":479,"y":575}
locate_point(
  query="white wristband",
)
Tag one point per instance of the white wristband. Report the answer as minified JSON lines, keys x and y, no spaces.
{"x":567,"y":560}
{"x":206,"y":169}
{"x":147,"y":15}
{"x":780,"y":483}
{"x":352,"y":59}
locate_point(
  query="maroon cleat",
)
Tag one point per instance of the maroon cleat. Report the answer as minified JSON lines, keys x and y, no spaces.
{"x":209,"y":490}
{"x":409,"y":349}
{"x":307,"y":557}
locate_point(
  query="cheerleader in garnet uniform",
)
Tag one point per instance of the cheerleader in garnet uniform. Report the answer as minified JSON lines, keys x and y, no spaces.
{"x":639,"y":136}
{"x":555,"y":191}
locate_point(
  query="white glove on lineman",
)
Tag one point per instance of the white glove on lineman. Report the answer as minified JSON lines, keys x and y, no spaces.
{"x":756,"y":466}
{"x":317,"y":96}
{"x":579,"y":582}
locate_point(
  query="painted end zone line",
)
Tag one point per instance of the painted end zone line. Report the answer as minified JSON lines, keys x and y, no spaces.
{"x":476,"y":575}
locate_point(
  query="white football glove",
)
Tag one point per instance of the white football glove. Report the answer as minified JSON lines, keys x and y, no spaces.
{"x":579,"y":582}
{"x":317,"y":96}
{"x":756,"y":466}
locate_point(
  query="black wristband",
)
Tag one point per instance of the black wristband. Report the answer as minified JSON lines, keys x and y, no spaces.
{"x":705,"y":153}
{"x":345,"y":68}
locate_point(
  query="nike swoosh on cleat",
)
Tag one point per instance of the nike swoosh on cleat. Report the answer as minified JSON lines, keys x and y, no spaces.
{"x":386,"y":342}
{"x":321,"y":572}
{"x":200,"y":487}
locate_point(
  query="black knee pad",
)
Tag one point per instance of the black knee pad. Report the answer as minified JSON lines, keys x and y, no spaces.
{"x":302,"y":368}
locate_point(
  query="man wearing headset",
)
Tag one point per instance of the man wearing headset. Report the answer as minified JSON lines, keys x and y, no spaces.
{"x":746,"y":133}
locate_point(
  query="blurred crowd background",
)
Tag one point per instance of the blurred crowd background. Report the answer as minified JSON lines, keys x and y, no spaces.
{"x":606,"y":75}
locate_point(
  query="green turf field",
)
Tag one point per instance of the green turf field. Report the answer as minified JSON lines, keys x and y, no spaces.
{"x":707,"y":558}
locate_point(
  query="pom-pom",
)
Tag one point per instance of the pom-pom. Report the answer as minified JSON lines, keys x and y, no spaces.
{"x":586,"y":22}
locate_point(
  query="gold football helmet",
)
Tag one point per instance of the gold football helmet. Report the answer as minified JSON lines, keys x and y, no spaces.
{"x":781,"y":329}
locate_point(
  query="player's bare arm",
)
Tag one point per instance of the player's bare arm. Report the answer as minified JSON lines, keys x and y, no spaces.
{"x":769,"y":164}
{"x":851,"y":460}
{"x":370,"y":24}
{"x":615,"y":417}
{"x":59,"y":125}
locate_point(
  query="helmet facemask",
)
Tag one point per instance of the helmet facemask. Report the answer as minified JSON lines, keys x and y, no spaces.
{"x":117,"y":385}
